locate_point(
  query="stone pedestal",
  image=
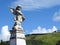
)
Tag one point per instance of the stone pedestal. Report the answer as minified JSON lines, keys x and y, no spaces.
{"x":17,"y":37}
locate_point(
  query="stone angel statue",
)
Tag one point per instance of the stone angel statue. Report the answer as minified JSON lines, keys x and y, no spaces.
{"x":18,"y":17}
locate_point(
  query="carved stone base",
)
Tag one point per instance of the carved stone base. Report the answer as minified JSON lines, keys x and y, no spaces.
{"x":17,"y":37}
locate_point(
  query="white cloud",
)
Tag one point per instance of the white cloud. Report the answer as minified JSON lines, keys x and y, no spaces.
{"x":56,"y":16}
{"x":40,"y":30}
{"x":5,"y":34}
{"x":36,"y":4}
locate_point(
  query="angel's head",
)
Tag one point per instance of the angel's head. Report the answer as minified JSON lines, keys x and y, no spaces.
{"x":18,"y":7}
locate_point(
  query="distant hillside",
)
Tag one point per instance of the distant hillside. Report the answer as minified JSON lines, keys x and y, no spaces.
{"x":43,"y":39}
{"x":40,"y":39}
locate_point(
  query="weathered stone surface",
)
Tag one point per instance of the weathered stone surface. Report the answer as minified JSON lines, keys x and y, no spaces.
{"x":17,"y":32}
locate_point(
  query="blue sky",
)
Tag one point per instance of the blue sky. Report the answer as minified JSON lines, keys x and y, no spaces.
{"x":39,"y":15}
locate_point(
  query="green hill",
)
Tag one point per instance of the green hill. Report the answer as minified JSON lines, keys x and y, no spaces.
{"x":40,"y":39}
{"x":43,"y":39}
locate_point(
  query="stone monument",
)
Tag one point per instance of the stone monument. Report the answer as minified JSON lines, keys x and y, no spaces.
{"x":17,"y":32}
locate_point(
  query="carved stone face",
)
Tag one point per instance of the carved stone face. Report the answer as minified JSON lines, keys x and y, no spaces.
{"x":18,"y":8}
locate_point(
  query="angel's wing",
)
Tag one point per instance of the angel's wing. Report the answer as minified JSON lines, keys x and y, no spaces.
{"x":13,"y":11}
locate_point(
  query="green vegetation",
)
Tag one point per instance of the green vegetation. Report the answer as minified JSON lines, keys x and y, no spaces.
{"x":40,"y":39}
{"x":44,"y":39}
{"x":4,"y":42}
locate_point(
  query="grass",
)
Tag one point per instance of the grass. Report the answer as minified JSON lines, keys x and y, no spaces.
{"x":43,"y":39}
